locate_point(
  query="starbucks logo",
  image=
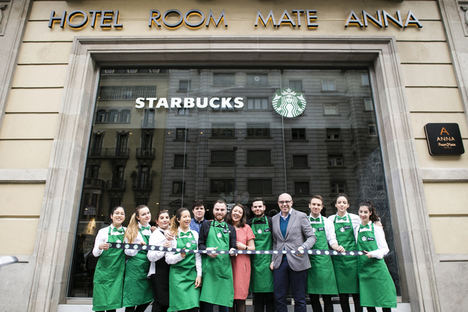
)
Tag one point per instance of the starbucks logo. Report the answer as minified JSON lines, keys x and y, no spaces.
{"x":289,"y":103}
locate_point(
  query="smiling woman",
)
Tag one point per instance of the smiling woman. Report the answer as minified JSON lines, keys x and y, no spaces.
{"x":110,"y":268}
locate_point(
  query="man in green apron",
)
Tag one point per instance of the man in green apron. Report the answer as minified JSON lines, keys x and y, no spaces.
{"x":217,"y":288}
{"x":261,"y":277}
{"x":321,"y":275}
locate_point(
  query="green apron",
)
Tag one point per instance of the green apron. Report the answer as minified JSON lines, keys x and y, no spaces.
{"x":346,"y":266}
{"x":261,"y":278}
{"x":109,"y":275}
{"x":137,"y":287}
{"x":182,"y":292}
{"x":375,"y":283}
{"x":218,"y":287}
{"x":321,"y":275}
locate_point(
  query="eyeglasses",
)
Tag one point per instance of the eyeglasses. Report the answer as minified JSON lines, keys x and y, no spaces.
{"x":282,"y":202}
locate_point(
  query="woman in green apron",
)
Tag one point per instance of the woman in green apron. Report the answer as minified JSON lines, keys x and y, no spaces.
{"x":346,"y":266}
{"x":137,"y":293}
{"x":321,"y":275}
{"x":218,"y":286}
{"x":261,"y":277}
{"x":110,"y":268}
{"x":375,"y":283}
{"x":185,"y":274}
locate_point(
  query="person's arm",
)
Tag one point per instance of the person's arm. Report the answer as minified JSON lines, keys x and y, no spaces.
{"x":204,"y":228}
{"x":100,"y":242}
{"x":130,"y":251}
{"x":157,"y":239}
{"x":331,"y":236}
{"x":381,"y":244}
{"x":250,"y":244}
{"x":198,"y":260}
{"x":173,"y":257}
{"x":232,"y":237}
{"x":308,"y":232}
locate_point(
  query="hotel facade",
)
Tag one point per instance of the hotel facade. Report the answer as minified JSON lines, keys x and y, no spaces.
{"x":107,"y":103}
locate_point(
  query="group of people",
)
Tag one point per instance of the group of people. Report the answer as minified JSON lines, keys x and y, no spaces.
{"x":181,"y":281}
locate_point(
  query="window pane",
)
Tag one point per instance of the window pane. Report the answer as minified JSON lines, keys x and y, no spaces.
{"x":258,"y":158}
{"x":166,"y":157}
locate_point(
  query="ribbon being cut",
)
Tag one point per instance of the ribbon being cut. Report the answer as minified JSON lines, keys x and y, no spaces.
{"x":236,"y":251}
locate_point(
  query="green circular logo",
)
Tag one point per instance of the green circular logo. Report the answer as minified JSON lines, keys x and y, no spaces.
{"x":289,"y":103}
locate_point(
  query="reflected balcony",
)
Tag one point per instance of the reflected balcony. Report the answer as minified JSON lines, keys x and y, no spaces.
{"x":94,"y":183}
{"x":148,"y":124}
{"x":120,"y":153}
{"x":145,"y":153}
{"x":116,"y":185}
{"x":142,"y":186}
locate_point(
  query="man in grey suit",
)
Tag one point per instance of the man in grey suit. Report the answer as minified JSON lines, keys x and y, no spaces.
{"x":291,"y":231}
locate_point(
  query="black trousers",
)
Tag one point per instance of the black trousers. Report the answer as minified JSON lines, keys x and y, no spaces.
{"x":263,"y":302}
{"x":344,"y":303}
{"x":372,"y":309}
{"x":317,"y":307}
{"x":139,"y":308}
{"x":284,"y":277}
{"x":208,"y":307}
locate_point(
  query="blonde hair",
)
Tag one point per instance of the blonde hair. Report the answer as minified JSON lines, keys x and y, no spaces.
{"x":174,"y":226}
{"x":132,"y":229}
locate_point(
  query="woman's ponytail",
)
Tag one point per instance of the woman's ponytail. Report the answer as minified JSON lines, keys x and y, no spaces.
{"x":132,"y":229}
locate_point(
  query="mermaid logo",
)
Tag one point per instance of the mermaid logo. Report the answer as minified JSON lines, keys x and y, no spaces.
{"x":289,"y":103}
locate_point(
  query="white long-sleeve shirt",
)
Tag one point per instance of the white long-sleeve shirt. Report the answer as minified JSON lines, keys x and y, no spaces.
{"x":103,"y":237}
{"x":329,"y":229}
{"x":355,"y":220}
{"x":157,"y":238}
{"x":173,"y":258}
{"x":138,"y":240}
{"x":380,"y":239}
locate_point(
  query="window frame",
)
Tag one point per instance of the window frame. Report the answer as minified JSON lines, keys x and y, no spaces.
{"x":376,"y":53}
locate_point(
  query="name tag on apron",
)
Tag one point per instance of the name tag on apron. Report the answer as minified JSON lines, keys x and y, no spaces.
{"x":344,"y":228}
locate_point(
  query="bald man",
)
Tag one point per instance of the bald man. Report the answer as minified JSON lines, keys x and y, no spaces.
{"x":291,"y":231}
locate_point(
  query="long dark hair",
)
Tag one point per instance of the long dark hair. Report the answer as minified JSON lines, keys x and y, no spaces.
{"x":242,"y":221}
{"x":373,"y":213}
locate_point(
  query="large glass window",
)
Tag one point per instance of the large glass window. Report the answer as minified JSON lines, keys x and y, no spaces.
{"x":213,"y":133}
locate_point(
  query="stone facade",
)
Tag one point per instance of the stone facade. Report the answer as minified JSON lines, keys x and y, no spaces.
{"x":48,"y":83}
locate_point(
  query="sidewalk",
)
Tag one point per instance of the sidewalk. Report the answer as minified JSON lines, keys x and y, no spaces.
{"x":402,"y":307}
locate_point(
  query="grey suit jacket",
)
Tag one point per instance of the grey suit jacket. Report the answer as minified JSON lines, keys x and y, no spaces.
{"x":298,"y":233}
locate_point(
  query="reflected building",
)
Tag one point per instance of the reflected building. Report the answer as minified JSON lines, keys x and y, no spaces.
{"x":166,"y":158}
